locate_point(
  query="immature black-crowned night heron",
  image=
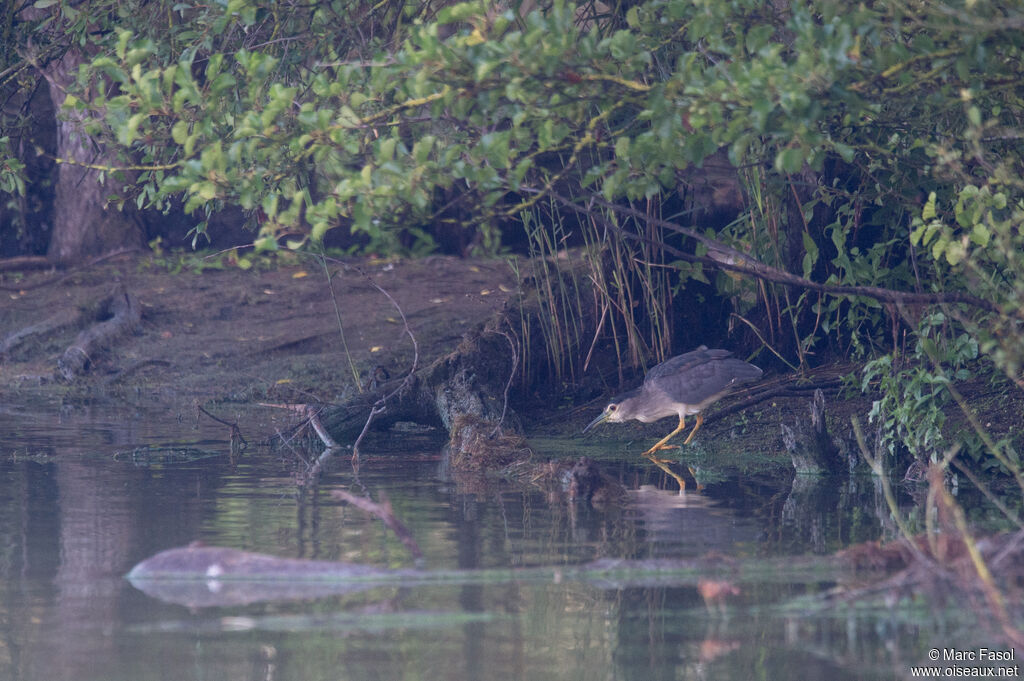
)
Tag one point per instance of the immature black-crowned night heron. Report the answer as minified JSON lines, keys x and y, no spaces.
{"x":684,"y":385}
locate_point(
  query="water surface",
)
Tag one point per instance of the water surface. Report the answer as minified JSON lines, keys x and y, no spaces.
{"x":87,"y":493}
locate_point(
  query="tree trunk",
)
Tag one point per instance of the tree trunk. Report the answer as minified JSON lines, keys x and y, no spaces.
{"x":83,"y":224}
{"x":26,"y":221}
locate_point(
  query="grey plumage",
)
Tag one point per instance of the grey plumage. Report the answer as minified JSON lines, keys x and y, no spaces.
{"x":683,"y":385}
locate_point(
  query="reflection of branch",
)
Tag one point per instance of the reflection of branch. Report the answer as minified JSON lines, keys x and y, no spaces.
{"x":387,"y":516}
{"x":875,"y":463}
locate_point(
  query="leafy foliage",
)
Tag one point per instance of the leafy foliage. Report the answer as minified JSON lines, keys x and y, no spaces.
{"x":291,"y":110}
{"x":913,"y":398}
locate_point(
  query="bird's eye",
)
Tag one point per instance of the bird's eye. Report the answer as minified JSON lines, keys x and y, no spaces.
{"x":612,"y":407}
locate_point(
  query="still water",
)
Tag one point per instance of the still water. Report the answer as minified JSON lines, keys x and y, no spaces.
{"x":85,"y":494}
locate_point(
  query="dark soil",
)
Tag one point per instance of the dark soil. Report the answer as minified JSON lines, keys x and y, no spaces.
{"x":267,"y":334}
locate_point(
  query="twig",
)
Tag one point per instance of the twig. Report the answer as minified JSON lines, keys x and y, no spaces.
{"x":20,"y":263}
{"x":380,"y":406}
{"x":511,"y":376}
{"x":236,"y":433}
{"x":341,"y":327}
{"x":313,"y":414}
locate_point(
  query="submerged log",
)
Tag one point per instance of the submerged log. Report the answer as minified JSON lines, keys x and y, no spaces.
{"x":809,"y":444}
{"x":119,"y":313}
{"x":210,"y":576}
{"x":197,"y":561}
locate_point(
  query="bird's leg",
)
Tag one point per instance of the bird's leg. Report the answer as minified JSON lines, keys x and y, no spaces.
{"x":700,"y":420}
{"x":661,"y":443}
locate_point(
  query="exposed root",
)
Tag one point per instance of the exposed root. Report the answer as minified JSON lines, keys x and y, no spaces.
{"x":122,"y":313}
{"x":62,"y":319}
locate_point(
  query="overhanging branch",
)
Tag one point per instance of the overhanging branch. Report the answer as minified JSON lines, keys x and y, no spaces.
{"x":730,"y":259}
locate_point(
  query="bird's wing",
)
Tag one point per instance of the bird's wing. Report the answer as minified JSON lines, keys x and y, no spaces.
{"x":685,"y":362}
{"x":700,"y":383}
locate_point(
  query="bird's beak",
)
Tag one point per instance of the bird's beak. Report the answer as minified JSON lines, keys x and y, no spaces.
{"x":600,"y":419}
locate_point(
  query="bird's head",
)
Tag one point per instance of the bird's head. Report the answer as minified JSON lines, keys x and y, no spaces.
{"x":617,"y":411}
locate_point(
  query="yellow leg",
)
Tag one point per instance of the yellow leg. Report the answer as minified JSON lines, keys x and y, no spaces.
{"x":700,"y":420}
{"x":693,"y":474}
{"x":664,"y":466}
{"x":661,"y":443}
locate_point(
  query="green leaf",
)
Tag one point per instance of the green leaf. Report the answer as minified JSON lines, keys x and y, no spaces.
{"x":928,"y":212}
{"x":789,"y":160}
{"x":458,"y":12}
{"x":633,"y":17}
{"x":206,"y":191}
{"x":974,"y":115}
{"x":622,"y":148}
{"x":980,"y":234}
{"x":127,"y":133}
{"x":387,"y":150}
{"x":810,"y":254}
{"x":179,"y":132}
{"x":123,"y":36}
{"x":845,"y":152}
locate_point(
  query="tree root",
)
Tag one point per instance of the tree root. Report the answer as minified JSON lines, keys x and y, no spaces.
{"x":464,"y":392}
{"x":809,"y":444}
{"x":63,"y":319}
{"x":119,"y":314}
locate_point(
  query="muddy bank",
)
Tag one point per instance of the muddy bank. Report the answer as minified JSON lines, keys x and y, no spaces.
{"x":226,"y":334}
